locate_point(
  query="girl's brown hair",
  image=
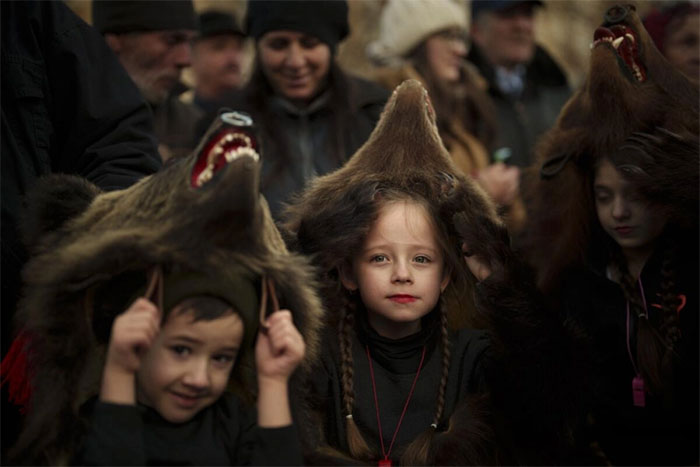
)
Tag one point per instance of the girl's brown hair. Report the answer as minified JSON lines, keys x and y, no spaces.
{"x":418,"y":451}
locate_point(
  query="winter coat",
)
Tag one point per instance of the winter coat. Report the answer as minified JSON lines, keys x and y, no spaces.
{"x":68,"y":106}
{"x":298,"y":145}
{"x":175,"y":124}
{"x":524,"y":119}
{"x":660,"y":433}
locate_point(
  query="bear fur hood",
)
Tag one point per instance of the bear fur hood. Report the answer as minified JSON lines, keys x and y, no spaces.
{"x":93,"y":251}
{"x":330,"y":219}
{"x":630,"y":88}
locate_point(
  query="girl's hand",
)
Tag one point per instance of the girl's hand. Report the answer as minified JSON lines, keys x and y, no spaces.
{"x":476,"y":265}
{"x":132,"y":333}
{"x":485,"y":244}
{"x":279,"y":350}
{"x":501,"y":182}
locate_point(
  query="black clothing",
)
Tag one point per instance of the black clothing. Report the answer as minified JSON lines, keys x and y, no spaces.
{"x":143,"y":15}
{"x":395,"y":363}
{"x":67,"y":106}
{"x":175,"y":126}
{"x":224,"y":433}
{"x":523,"y":119}
{"x":297,"y":143}
{"x":325,"y":20}
{"x":629,"y":435}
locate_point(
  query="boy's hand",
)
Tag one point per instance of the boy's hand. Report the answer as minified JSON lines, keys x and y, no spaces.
{"x":132,"y":333}
{"x":279,"y":351}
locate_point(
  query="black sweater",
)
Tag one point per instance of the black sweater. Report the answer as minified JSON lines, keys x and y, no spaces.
{"x":395,"y":363}
{"x":224,"y":433}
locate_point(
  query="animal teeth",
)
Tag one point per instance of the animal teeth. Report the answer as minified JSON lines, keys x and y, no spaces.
{"x":629,"y":36}
{"x":616,"y":43}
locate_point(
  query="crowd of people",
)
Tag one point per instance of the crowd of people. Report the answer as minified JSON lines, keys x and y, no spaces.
{"x":285,"y":263}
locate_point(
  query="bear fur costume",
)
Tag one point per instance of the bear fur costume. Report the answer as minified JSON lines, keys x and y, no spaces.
{"x":630,"y":88}
{"x":93,"y":251}
{"x":527,"y":415}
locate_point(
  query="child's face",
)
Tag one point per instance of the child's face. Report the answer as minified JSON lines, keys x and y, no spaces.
{"x":188,"y":365}
{"x":400,"y":270}
{"x":623,"y":213}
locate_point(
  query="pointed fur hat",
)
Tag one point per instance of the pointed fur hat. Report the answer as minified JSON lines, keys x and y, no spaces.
{"x":404,"y":153}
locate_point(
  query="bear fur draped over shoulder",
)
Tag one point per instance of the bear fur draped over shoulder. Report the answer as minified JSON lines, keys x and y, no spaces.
{"x":93,"y":251}
{"x":630,"y":88}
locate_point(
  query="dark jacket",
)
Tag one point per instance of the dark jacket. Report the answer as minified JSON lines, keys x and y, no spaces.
{"x":224,"y":433}
{"x":175,"y":125}
{"x":67,"y":106}
{"x":657,"y":434}
{"x":524,"y":119}
{"x":299,"y":147}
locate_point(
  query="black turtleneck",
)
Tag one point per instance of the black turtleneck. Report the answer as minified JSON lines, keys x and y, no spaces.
{"x":395,"y":362}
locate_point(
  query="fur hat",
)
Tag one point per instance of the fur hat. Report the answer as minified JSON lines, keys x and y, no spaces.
{"x":630,"y":88}
{"x":404,"y":153}
{"x":142,"y":15}
{"x":403,"y":25}
{"x":325,"y":19}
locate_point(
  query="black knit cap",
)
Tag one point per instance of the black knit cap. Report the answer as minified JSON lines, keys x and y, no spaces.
{"x":325,"y":19}
{"x":215,"y":23}
{"x":117,"y":16}
{"x":236,"y":286}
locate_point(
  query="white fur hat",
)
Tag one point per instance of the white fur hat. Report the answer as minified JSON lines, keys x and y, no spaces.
{"x":406,"y":23}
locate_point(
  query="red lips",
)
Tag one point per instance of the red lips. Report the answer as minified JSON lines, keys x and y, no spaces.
{"x":400,"y":298}
{"x":623,"y":230}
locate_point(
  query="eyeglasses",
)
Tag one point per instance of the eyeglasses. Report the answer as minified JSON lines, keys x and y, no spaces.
{"x":453,"y":34}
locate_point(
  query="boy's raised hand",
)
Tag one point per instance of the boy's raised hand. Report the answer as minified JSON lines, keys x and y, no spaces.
{"x":280,"y":349}
{"x":132,"y":334}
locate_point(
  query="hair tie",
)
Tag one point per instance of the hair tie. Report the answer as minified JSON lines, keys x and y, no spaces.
{"x":434,"y":426}
{"x":349,"y":416}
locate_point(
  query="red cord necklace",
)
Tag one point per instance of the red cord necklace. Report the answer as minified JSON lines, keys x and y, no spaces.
{"x":386,"y":462}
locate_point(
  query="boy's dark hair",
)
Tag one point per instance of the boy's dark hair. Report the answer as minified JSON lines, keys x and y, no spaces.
{"x":203,"y":308}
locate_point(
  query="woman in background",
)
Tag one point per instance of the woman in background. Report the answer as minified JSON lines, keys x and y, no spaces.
{"x":426,"y":40}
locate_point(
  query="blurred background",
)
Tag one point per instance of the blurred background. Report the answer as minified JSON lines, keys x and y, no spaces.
{"x":564,"y":27}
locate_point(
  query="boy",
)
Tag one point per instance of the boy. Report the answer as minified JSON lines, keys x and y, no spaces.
{"x":163,"y":397}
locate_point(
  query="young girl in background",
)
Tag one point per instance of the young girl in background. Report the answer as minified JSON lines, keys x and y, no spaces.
{"x":637,"y":298}
{"x":400,"y":237}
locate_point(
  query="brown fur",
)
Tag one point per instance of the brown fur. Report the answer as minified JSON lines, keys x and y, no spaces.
{"x":109,"y":241}
{"x":596,"y":120}
{"x":329,"y":221}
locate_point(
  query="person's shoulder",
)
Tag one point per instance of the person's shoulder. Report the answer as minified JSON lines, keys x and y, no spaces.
{"x":545,"y":71}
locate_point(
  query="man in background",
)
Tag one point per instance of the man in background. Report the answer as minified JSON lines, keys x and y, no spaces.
{"x":218,"y":59}
{"x":152,"y":40}
{"x":526,"y":85}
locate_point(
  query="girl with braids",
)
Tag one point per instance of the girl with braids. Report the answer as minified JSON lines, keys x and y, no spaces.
{"x":637,"y":299}
{"x":410,"y":252}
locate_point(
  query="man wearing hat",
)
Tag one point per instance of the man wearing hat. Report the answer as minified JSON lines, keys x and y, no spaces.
{"x":526,"y":84}
{"x":218,"y":58}
{"x":152,"y":40}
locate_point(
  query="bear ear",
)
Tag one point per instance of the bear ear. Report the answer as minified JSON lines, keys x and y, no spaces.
{"x":51,"y":202}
